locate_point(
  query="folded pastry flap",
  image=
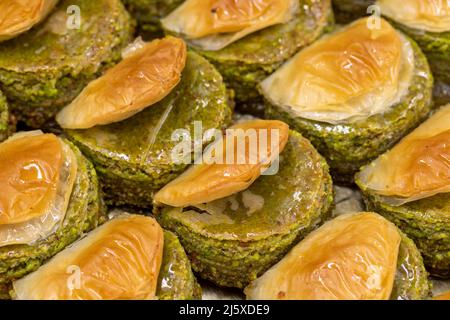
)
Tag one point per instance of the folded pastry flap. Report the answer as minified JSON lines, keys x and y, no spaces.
{"x":29,"y":176}
{"x":144,"y":77}
{"x":119,"y":260}
{"x":428,"y":15}
{"x":417,"y":167}
{"x":17,"y":16}
{"x":353,"y":73}
{"x":351,"y":257}
{"x":214,"y":24}
{"x":38,"y":178}
{"x":229,"y":166}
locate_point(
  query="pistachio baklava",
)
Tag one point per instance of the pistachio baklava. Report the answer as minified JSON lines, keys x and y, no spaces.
{"x":248,"y":40}
{"x":45,"y":68}
{"x":130,"y":121}
{"x":428,"y":23}
{"x":129,"y":257}
{"x":359,"y":256}
{"x":353,"y":93}
{"x":17,"y":17}
{"x":237,"y":218}
{"x":49,"y":198}
{"x":410,"y":185}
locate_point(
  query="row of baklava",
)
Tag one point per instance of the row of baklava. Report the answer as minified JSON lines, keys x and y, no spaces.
{"x":355,"y":100}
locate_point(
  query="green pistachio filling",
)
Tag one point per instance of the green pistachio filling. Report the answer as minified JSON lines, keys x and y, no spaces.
{"x":176,"y":279}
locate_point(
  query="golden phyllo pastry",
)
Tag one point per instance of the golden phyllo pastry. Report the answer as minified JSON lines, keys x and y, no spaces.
{"x":36,"y":180}
{"x":428,"y":15}
{"x":147,"y":74}
{"x":18,"y":16}
{"x":231,"y":165}
{"x":349,"y":75}
{"x":443,"y":296}
{"x":351,"y":257}
{"x":214,"y":24}
{"x":418,"y":167}
{"x":119,"y":260}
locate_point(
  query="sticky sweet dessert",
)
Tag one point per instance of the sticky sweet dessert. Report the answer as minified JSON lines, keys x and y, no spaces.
{"x":344,"y":90}
{"x":237,"y":218}
{"x":125,"y":120}
{"x":248,"y":40}
{"x":358,"y":256}
{"x":50,"y":197}
{"x":45,"y":68}
{"x":410,"y":185}
{"x":129,"y":257}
